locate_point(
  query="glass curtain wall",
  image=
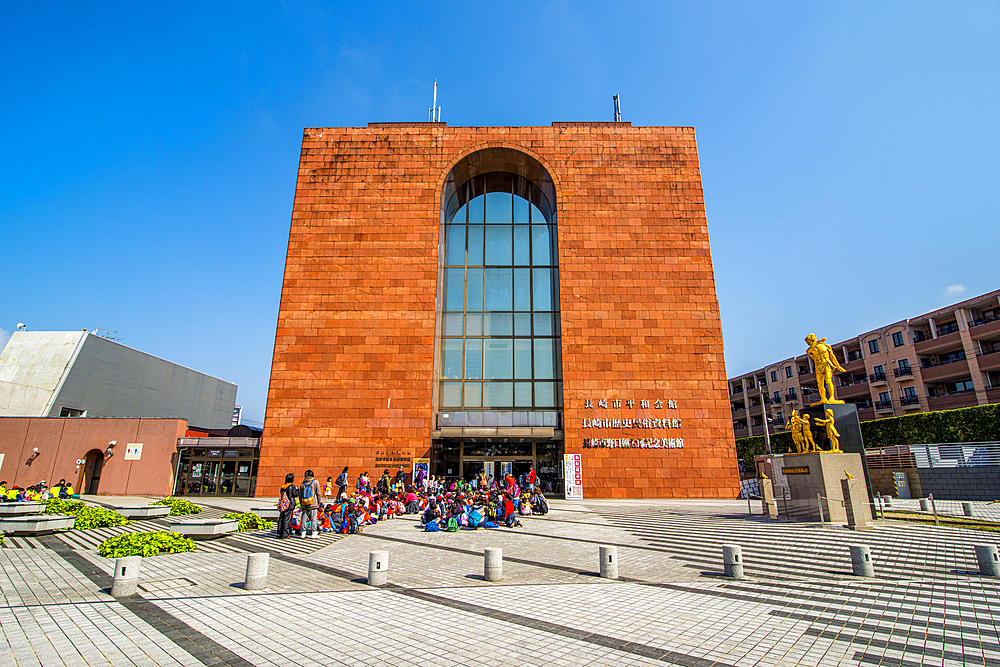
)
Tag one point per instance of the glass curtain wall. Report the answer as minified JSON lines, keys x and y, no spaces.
{"x":500,"y":322}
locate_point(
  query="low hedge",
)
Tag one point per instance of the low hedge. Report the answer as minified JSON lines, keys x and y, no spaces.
{"x":249,"y":522}
{"x":145,"y":544}
{"x":86,"y":515}
{"x":980,"y":423}
{"x":179,"y":506}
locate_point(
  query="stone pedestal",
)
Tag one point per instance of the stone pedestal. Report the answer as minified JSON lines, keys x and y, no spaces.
{"x":855,"y":505}
{"x":809,"y":474}
{"x":767,"y":503}
{"x":845,"y":419}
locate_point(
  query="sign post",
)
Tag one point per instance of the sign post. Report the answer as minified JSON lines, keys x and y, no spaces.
{"x":574,"y":476}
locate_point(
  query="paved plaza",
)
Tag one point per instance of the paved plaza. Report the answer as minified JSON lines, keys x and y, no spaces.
{"x":799,"y":605}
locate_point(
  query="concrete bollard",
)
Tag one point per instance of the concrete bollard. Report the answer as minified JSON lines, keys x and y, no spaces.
{"x":378,"y":568}
{"x":609,"y":562}
{"x":493,"y":564}
{"x":732,"y":560}
{"x":861,"y":561}
{"x":126,"y":579}
{"x":967,"y":509}
{"x":989,"y":560}
{"x":256,"y":576}
{"x":925,"y":505}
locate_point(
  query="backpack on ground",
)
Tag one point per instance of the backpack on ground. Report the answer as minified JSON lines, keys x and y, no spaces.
{"x":352,"y":526}
{"x":308,"y":498}
{"x":475,"y":519}
{"x":452,"y":524}
{"x":539,"y":505}
{"x":432,"y":527}
{"x":413,"y":507}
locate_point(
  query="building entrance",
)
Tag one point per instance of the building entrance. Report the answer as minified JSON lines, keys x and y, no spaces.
{"x":464,"y":459}
{"x":220,"y":471}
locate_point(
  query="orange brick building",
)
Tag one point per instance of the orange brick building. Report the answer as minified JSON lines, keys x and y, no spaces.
{"x":488,"y":298}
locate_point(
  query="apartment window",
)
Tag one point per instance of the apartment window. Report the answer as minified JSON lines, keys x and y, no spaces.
{"x":903,"y":364}
{"x":897,"y":339}
{"x":909,"y":392}
{"x":883,"y":397}
{"x":72,"y":412}
{"x":873,"y":345}
{"x":788,"y":371}
{"x":777,"y":397}
{"x":774,"y":376}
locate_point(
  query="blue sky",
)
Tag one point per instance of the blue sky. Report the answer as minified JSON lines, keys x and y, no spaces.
{"x":850,"y":151}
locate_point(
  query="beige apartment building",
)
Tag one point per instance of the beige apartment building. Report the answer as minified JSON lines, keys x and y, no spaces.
{"x":946,"y":359}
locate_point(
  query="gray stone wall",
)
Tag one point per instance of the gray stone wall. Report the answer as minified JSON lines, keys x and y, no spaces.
{"x":976,"y":483}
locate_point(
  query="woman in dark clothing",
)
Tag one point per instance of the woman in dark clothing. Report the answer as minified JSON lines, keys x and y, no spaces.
{"x":290,"y":491}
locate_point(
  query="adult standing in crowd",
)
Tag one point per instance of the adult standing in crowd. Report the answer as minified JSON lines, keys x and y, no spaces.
{"x":286,"y":503}
{"x":309,"y":502}
{"x":342,"y":483}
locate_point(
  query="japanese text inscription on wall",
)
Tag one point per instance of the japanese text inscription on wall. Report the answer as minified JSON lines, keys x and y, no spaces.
{"x":632,"y":423}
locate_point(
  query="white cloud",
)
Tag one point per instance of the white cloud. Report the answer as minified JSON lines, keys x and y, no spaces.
{"x":954,"y":290}
{"x":4,"y":336}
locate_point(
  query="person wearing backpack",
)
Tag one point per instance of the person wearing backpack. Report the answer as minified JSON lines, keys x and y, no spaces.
{"x":286,"y":506}
{"x":342,"y":483}
{"x":309,"y":502}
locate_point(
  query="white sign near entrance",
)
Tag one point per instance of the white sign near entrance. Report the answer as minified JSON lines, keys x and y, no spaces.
{"x":574,"y":476}
{"x":489,"y":470}
{"x":133,"y":451}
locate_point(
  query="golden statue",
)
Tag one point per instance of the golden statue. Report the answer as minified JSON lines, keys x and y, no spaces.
{"x":807,"y":436}
{"x":795,"y":426}
{"x":831,"y":431}
{"x":825,"y":361}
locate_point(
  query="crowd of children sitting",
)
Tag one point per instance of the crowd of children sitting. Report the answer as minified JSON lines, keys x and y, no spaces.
{"x":36,"y":493}
{"x":476,"y":504}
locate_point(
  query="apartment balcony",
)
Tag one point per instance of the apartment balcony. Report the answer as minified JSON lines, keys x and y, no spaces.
{"x":984,"y":329}
{"x":993,"y":395}
{"x":856,"y":390}
{"x":881,"y":406}
{"x":791,"y":398}
{"x":904,"y":373}
{"x":910,"y":402}
{"x":961,"y":399}
{"x":951,"y":370}
{"x":738,"y":411}
{"x":878,"y":378}
{"x":939,"y":344}
{"x":755,"y":410}
{"x":741,"y":432}
{"x":989,"y":361}
{"x":737,"y":390}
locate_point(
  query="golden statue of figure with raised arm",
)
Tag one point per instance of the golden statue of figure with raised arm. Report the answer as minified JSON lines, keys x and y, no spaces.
{"x":825,"y":361}
{"x":831,"y":431}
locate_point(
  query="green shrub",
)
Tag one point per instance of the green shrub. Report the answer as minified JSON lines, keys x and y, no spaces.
{"x":86,"y":516}
{"x":249,"y":522}
{"x":145,"y":544}
{"x":179,"y":506}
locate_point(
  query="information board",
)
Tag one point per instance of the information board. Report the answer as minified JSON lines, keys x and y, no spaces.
{"x":574,"y":476}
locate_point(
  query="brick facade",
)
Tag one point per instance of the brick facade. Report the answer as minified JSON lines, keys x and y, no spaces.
{"x":353,"y":370}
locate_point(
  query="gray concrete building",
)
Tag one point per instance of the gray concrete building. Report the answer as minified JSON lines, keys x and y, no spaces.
{"x":79,"y":374}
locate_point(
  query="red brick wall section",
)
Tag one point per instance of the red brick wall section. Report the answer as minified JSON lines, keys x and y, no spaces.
{"x":61,"y":441}
{"x":640,"y":318}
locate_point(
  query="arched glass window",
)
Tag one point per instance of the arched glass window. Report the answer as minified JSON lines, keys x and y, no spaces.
{"x":500,"y":299}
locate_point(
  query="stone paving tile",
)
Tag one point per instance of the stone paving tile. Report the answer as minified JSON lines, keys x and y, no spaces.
{"x":798,"y":608}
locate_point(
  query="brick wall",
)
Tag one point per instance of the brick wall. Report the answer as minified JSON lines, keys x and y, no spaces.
{"x":640,"y":318}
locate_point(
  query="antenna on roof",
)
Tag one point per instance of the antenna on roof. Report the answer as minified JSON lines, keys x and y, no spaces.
{"x":434,"y":111}
{"x":107,"y":334}
{"x":618,"y":110}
